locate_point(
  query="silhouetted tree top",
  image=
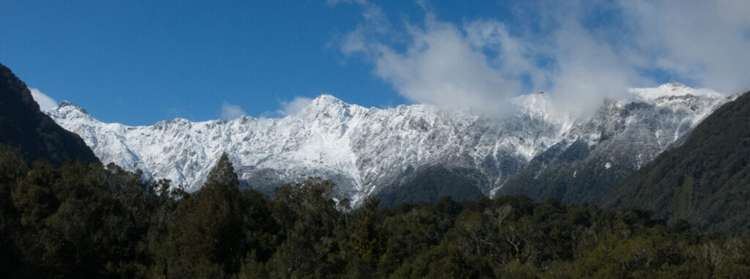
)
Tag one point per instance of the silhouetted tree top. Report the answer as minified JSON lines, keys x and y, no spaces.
{"x":223,"y":172}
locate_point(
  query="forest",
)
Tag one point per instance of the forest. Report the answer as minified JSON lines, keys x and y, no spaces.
{"x":81,"y":220}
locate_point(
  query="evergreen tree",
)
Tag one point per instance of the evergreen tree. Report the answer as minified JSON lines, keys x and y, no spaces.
{"x":205,"y":237}
{"x":309,"y":221}
{"x":87,"y":221}
{"x":11,"y":168}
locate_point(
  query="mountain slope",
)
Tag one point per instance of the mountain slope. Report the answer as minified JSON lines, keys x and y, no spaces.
{"x":706,"y":180}
{"x":620,"y":138}
{"x":32,"y":133}
{"x":364,"y":150}
{"x":389,"y":152}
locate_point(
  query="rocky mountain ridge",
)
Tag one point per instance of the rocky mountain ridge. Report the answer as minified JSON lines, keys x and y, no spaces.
{"x":370,"y":151}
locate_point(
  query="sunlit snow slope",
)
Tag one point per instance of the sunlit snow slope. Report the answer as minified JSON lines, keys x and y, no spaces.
{"x":365,"y":150}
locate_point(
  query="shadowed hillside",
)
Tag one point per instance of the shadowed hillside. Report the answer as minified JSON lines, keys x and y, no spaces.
{"x":705,"y":181}
{"x":32,"y":133}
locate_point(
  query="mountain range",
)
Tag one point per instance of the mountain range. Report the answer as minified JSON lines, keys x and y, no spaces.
{"x":672,"y":151}
{"x":414,"y":153}
{"x":650,"y":150}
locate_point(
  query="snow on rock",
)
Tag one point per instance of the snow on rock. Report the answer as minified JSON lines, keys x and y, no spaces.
{"x":673,"y":89}
{"x":365,"y":149}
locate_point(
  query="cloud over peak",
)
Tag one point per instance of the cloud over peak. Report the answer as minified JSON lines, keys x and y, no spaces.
{"x":230,"y":111}
{"x":294,"y":106}
{"x":568,"y":49}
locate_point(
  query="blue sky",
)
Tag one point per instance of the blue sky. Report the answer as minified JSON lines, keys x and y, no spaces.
{"x":143,"y":61}
{"x":139,"y":62}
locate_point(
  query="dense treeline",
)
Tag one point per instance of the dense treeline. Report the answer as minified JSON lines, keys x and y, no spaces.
{"x":88,"y":221}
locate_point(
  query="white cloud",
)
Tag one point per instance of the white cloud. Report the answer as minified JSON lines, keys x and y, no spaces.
{"x":294,"y":106}
{"x":375,"y":25}
{"x":442,"y":67}
{"x":705,"y":41}
{"x":230,"y":111}
{"x":477,"y":67}
{"x":479,"y":64}
{"x":45,"y":102}
{"x":587,"y":70}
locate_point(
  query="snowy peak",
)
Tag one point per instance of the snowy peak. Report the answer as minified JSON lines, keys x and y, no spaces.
{"x":326,"y":100}
{"x":326,"y":103}
{"x":539,"y":105}
{"x":365,"y":150}
{"x":673,"y":89}
{"x":69,"y":106}
{"x":68,"y":110}
{"x":328,"y":110}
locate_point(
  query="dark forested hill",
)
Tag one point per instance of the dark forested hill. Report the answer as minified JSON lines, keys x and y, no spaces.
{"x":705,"y":181}
{"x":32,"y":133}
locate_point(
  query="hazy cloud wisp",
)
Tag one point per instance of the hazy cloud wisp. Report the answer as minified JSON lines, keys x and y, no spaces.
{"x":230,"y":111}
{"x":294,"y":106}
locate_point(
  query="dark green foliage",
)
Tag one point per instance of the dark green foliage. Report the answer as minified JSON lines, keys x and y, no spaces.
{"x":205,"y":237}
{"x":309,"y":220}
{"x":705,"y":181}
{"x":75,"y":220}
{"x":32,"y":133}
{"x":11,"y":169}
{"x":86,"y":221}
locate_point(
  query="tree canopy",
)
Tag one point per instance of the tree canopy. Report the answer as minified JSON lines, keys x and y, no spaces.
{"x":90,"y":221}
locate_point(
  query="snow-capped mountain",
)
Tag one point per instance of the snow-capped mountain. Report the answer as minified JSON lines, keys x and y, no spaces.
{"x":621,"y":137}
{"x":367,"y":150}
